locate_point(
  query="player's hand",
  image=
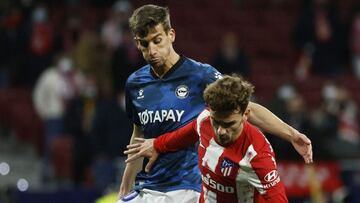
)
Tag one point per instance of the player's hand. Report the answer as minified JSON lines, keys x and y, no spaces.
{"x":142,"y":148}
{"x":303,"y":146}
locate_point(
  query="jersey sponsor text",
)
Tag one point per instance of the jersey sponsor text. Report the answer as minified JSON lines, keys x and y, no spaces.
{"x":160,"y":116}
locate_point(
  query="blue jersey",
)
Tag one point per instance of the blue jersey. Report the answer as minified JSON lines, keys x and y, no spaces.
{"x":160,"y":105}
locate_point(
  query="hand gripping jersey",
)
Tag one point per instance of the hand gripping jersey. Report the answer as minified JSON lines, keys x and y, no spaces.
{"x":245,"y":171}
{"x":160,"y":105}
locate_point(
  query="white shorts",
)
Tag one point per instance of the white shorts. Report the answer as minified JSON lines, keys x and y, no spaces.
{"x":152,"y":196}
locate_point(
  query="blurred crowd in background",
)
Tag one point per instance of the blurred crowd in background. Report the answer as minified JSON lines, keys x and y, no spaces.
{"x":64,"y":64}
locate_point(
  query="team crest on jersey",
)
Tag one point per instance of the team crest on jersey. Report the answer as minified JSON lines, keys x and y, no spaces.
{"x":226,"y":167}
{"x":140,"y":94}
{"x":182,"y":91}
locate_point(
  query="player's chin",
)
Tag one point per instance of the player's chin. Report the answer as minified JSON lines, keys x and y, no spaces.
{"x":155,"y":63}
{"x":224,"y":142}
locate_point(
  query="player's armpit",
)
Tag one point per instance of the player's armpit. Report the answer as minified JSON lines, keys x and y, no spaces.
{"x":178,"y":139}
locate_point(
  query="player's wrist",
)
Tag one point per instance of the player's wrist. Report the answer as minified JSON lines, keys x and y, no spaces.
{"x":157,"y":145}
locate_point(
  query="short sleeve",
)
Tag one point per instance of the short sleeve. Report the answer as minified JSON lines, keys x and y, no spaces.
{"x":210,"y":74}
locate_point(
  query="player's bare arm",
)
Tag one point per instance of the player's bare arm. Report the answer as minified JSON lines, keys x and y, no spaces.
{"x":266,"y":120}
{"x":132,"y":168}
{"x":142,"y":148}
{"x":168,"y":142}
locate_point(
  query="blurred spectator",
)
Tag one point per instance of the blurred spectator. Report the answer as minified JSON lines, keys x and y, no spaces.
{"x":72,"y":31}
{"x":41,"y":44}
{"x":14,"y":36}
{"x":78,"y":124}
{"x":112,"y":29}
{"x":320,"y":37}
{"x":230,"y":58}
{"x":290,"y":106}
{"x":285,"y":92}
{"x":355,"y":43}
{"x":54,"y":89}
{"x":91,"y":58}
{"x":111,"y":132}
{"x":124,"y":61}
{"x":337,"y":122}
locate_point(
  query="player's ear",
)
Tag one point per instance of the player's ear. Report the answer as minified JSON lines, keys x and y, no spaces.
{"x":172,"y":35}
{"x":246,"y":114}
{"x":137,"y":43}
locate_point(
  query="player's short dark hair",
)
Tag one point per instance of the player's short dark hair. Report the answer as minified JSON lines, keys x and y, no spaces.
{"x":147,"y":17}
{"x":228,"y":94}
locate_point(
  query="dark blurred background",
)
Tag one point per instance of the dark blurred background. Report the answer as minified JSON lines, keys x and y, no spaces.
{"x":64,"y":63}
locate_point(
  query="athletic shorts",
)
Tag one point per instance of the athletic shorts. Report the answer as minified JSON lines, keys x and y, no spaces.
{"x":152,"y":196}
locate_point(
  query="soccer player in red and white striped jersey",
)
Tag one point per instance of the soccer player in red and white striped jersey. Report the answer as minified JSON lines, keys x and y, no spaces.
{"x":236,"y":161}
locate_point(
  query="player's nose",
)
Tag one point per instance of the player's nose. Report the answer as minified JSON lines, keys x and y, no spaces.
{"x":221,"y":130}
{"x":152,"y":49}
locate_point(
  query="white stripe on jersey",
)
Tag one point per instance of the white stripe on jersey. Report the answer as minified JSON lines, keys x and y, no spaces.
{"x":212,"y":154}
{"x":203,"y":115}
{"x":245,"y":192}
{"x":209,"y":196}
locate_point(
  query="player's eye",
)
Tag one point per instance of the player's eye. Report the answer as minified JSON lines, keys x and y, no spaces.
{"x":144,"y":43}
{"x":157,"y":40}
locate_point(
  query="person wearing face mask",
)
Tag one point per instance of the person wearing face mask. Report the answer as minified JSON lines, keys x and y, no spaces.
{"x":236,"y":162}
{"x":56,"y":86}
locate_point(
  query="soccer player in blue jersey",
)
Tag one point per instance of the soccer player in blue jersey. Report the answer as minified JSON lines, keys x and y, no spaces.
{"x":165,"y":95}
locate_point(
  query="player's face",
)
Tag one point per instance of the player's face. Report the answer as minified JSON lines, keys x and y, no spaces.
{"x":156,"y":47}
{"x":227,"y":126}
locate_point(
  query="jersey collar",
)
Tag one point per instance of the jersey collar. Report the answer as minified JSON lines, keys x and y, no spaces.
{"x":172,"y":69}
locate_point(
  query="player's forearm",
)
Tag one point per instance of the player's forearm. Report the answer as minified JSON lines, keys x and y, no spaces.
{"x":134,"y":167}
{"x":128,"y":179}
{"x":269,"y":122}
{"x":131,"y":169}
{"x":176,"y":140}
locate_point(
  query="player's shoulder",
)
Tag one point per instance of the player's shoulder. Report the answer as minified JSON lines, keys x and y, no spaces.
{"x":139,"y":75}
{"x":197,"y":65}
{"x":254,"y":134}
{"x":205,"y":114}
{"x":201,"y":71}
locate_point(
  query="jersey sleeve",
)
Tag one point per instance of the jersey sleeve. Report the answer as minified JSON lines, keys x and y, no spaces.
{"x":278,"y":198}
{"x":210,"y":74}
{"x":130,"y":111}
{"x":178,"y":139}
{"x":267,"y":180}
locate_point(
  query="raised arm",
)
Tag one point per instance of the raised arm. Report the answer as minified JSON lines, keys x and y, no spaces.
{"x":269,"y":122}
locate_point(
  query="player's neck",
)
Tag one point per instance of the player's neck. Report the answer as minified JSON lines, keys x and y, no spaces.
{"x":161,"y":71}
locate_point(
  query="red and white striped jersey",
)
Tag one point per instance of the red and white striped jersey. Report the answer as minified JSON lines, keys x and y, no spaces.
{"x":245,"y":171}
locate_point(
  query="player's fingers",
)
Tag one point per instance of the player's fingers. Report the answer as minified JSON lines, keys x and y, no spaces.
{"x":132,"y":158}
{"x":311,"y":154}
{"x":132,"y":151}
{"x":139,"y":139}
{"x":308,"y":157}
{"x":305,"y":138}
{"x":135,"y":145}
